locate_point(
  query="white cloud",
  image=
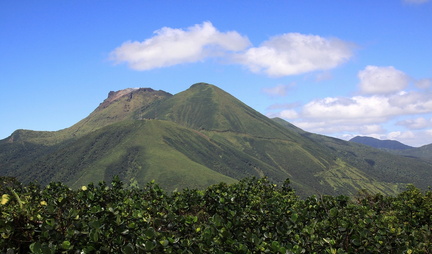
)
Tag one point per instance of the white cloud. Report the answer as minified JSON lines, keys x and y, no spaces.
{"x":377,"y":113}
{"x":395,"y":135}
{"x":411,"y":138}
{"x":424,"y":83}
{"x":356,"y":109}
{"x":371,"y":129}
{"x":327,"y":126}
{"x":382,"y":80}
{"x":279,"y":90}
{"x":295,"y":53}
{"x":172,"y":46}
{"x":368,"y":109}
{"x":282,"y":55}
{"x":416,"y":123}
{"x":332,"y":127}
{"x":366,"y":115}
{"x":288,"y":114}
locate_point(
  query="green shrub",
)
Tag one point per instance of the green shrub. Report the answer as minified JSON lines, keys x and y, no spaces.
{"x":251,"y":216}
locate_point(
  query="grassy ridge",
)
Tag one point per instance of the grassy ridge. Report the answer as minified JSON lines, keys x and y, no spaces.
{"x":132,"y":149}
{"x":197,"y":138}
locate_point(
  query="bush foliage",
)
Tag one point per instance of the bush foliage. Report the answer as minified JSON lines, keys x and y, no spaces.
{"x":251,"y":216}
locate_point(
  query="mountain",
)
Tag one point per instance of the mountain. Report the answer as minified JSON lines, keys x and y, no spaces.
{"x":119,"y":106}
{"x":196,"y":138}
{"x":381,"y":144}
{"x":395,"y":147}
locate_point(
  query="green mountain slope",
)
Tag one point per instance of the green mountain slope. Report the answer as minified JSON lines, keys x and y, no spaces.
{"x":206,"y":107}
{"x":381,"y":166}
{"x":197,"y":138}
{"x":133,"y":149}
{"x":423,"y":153}
{"x":395,"y":147}
{"x":120,"y":105}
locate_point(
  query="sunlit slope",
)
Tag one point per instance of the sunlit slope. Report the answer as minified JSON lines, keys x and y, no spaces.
{"x":135,"y":150}
{"x":119,"y":106}
{"x":207,"y":107}
{"x":423,"y":153}
{"x":270,"y":148}
{"x":393,"y":171}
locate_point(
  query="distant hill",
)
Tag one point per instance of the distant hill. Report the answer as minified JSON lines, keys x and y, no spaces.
{"x":196,"y":138}
{"x":381,"y":144}
{"x":395,"y":147}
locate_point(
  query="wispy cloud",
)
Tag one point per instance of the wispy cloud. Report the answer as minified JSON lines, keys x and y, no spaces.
{"x":325,"y":75}
{"x":172,"y":46}
{"x":295,"y":53}
{"x":279,"y":90}
{"x":284,"y":106}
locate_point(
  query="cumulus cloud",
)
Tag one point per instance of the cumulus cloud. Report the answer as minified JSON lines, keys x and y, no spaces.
{"x":295,"y":53}
{"x":369,"y":109}
{"x":394,"y":135}
{"x":288,"y":114}
{"x":373,"y":111}
{"x":282,"y":55}
{"x":424,"y":83}
{"x":382,"y":80}
{"x":172,"y":46}
{"x":365,"y":115}
{"x":416,"y":123}
{"x":412,"y":138}
{"x":357,"y":109}
{"x":327,"y":126}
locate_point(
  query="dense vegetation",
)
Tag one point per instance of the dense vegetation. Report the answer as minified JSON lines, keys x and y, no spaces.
{"x":250,"y":216}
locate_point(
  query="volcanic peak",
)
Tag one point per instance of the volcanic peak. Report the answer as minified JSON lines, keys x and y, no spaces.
{"x":115,"y":95}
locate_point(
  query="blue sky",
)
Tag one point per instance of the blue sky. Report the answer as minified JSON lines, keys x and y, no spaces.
{"x":339,"y":68}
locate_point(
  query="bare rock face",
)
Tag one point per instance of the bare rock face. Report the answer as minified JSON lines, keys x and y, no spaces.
{"x":112,"y":96}
{"x":115,"y":95}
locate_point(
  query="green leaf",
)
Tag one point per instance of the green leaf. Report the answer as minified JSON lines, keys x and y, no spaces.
{"x":149,"y":246}
{"x":66,"y":245}
{"x":35,"y":247}
{"x":128,"y":249}
{"x":333,"y":212}
{"x":294,"y":217}
{"x":164,"y":243}
{"x":94,"y":235}
{"x":150,"y":233}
